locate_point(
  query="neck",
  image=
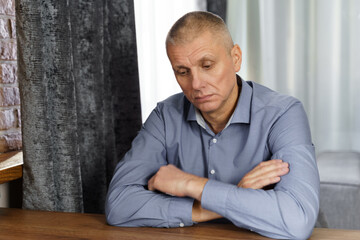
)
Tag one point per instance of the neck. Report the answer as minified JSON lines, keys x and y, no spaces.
{"x":218,"y":120}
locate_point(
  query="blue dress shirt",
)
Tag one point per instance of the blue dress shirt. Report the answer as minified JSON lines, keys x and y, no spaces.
{"x":265,"y":125}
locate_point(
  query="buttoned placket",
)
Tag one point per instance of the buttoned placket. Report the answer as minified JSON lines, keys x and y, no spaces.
{"x":212,"y":149}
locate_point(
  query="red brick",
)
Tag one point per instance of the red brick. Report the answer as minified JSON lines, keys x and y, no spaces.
{"x":13,"y":28}
{"x":8,"y":73}
{"x":10,"y":142}
{"x":9,"y":96}
{"x":7,"y":7}
{"x":8,"y":119}
{"x":4,"y":28}
{"x":8,"y":51}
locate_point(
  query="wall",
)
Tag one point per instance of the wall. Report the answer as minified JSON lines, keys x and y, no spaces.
{"x":309,"y":50}
{"x":10,"y":123}
{"x":157,"y":80}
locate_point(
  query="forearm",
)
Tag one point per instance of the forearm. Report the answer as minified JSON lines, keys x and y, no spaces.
{"x":133,"y":206}
{"x":176,"y":182}
{"x":274,"y":214}
{"x":173,"y":181}
{"x":288,"y":211}
{"x":200,"y":214}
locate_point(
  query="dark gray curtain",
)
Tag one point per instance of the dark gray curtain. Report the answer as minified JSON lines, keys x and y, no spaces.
{"x":80,"y":100}
{"x":218,"y":7}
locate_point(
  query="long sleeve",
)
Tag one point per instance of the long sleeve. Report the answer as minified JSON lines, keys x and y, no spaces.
{"x":288,"y":211}
{"x":265,"y":125}
{"x":128,"y":202}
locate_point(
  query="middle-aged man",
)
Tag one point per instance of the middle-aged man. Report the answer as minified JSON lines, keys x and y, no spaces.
{"x":224,"y":148}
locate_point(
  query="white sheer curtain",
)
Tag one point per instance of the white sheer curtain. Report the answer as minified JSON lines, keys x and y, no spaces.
{"x":153,"y":20}
{"x":311,"y":50}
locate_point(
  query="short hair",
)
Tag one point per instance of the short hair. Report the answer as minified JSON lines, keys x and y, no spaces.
{"x":193,"y":24}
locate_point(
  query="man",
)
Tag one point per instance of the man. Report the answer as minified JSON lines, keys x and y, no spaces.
{"x":211,"y":151}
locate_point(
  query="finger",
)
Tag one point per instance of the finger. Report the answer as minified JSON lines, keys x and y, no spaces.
{"x":270,"y":172}
{"x":264,"y":169}
{"x":269,"y":162}
{"x":267,"y":166}
{"x":259,"y":181}
{"x":276,"y":171}
{"x":265,"y":182}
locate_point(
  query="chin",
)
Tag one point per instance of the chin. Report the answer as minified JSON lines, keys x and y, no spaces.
{"x":207,"y":108}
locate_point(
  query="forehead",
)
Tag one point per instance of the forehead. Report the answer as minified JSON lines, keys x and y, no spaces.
{"x":206,"y":45}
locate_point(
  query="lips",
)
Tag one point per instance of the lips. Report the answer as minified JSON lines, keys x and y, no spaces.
{"x":204,"y":98}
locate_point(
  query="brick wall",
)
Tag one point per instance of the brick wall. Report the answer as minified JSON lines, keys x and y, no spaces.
{"x":10,"y":121}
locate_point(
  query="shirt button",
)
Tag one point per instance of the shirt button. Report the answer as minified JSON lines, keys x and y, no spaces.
{"x":212,"y":171}
{"x":181,"y":224}
{"x":214,"y":140}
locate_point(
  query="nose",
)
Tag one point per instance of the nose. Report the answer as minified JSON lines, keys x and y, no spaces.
{"x":197,"y":81}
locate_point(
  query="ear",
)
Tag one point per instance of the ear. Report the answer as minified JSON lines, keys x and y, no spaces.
{"x":236,"y":55}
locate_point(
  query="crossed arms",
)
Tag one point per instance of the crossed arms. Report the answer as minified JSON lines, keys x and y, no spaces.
{"x":171,"y":180}
{"x":176,"y":198}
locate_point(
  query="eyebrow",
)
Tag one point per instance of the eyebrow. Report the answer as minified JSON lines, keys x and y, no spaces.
{"x":180,"y":67}
{"x":207,"y":57}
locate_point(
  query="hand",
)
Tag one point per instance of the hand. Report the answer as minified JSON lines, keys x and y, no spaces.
{"x":264,"y":174}
{"x":171,"y":180}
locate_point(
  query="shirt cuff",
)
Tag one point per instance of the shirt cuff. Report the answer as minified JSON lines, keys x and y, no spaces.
{"x":214,"y":196}
{"x":180,"y":212}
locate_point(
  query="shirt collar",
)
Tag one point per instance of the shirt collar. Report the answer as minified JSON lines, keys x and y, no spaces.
{"x":243,"y":107}
{"x":241,"y":113}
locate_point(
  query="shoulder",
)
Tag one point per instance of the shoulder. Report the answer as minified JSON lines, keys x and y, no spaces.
{"x":176,"y":105}
{"x":173,"y":100}
{"x":266,"y":99}
{"x":167,"y":113}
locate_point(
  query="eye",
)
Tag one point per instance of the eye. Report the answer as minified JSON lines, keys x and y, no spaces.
{"x":182,"y":72}
{"x":207,"y":65}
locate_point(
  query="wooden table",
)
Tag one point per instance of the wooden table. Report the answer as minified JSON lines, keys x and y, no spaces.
{"x":26,"y":224}
{"x":10,"y":166}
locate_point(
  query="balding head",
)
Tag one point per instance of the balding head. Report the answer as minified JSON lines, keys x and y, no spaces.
{"x":194,"y":24}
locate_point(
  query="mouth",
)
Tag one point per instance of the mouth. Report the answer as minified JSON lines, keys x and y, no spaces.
{"x":204,"y":98}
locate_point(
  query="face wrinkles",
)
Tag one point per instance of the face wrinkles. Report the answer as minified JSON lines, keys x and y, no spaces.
{"x":206,"y":73}
{"x":195,"y":58}
{"x":188,"y":72}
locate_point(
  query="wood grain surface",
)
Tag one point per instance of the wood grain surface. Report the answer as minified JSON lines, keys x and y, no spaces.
{"x":10,"y":166}
{"x":27,"y":224}
{"x":10,"y":174}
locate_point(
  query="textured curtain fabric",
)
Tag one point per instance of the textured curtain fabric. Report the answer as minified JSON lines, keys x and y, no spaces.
{"x":218,"y":7}
{"x":80,"y":99}
{"x":154,"y":19}
{"x":310,"y":50}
